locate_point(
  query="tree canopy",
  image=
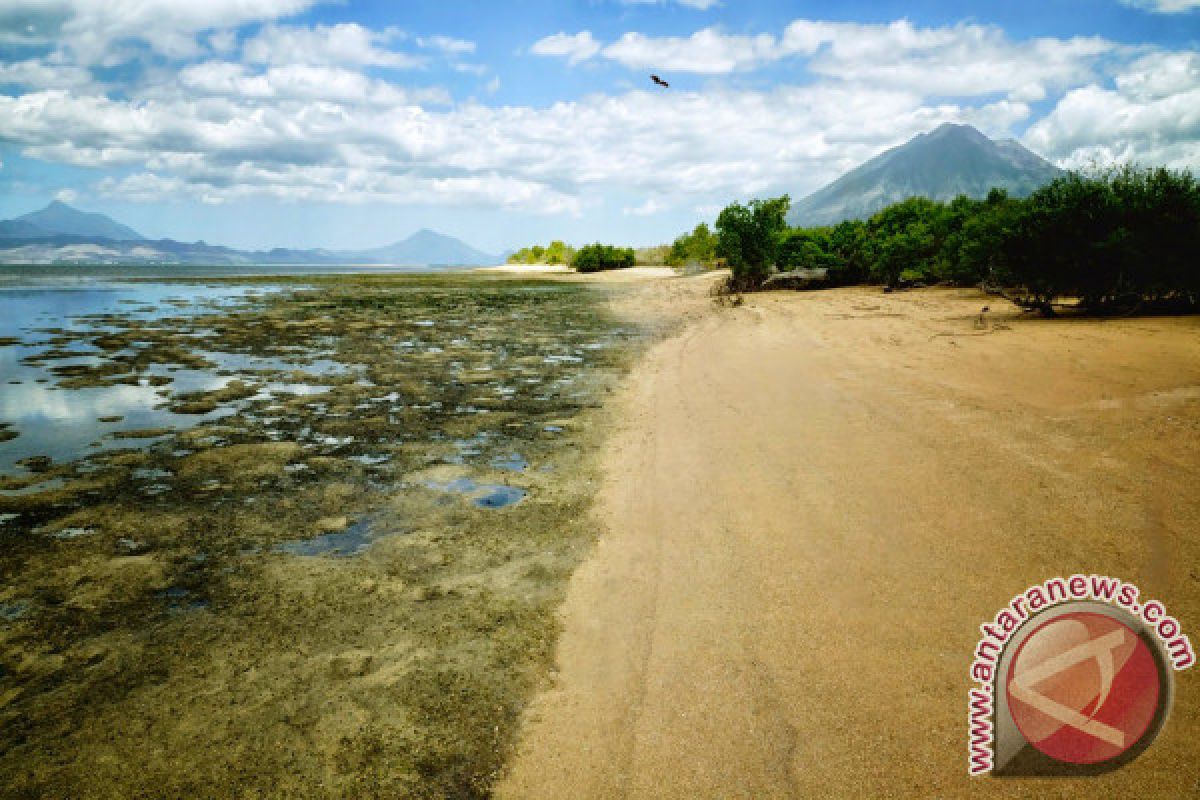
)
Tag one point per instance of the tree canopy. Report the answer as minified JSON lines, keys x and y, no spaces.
{"x":1115,"y":240}
{"x":597,"y":257}
{"x":697,"y":247}
{"x":557,"y":252}
{"x":748,"y":238}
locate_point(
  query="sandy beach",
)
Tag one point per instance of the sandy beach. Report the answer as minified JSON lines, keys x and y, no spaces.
{"x":811,"y":504}
{"x":630,"y":274}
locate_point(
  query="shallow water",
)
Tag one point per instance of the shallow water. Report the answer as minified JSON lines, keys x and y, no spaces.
{"x":339,"y":544}
{"x":68,"y":424}
{"x":482,"y":495}
{"x":353,"y":477}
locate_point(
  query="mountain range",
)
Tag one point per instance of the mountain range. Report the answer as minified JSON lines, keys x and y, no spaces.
{"x":942,"y":164}
{"x":60,"y":234}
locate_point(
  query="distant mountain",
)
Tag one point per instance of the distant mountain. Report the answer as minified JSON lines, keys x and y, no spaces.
{"x":426,"y":248}
{"x":59,"y":234}
{"x":17,"y":228}
{"x":942,"y":164}
{"x":59,"y":219}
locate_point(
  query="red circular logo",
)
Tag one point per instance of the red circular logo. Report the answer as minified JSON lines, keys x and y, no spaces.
{"x":1083,"y":688}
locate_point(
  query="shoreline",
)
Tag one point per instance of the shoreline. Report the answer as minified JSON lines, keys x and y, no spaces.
{"x":345,"y":585}
{"x":752,"y":539}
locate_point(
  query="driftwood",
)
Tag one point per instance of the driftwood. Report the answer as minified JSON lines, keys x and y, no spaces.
{"x":1024,"y":303}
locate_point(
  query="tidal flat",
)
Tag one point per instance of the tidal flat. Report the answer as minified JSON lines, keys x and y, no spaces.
{"x":309,"y":540}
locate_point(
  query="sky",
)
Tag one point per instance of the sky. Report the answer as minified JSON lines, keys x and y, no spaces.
{"x":298,"y":123}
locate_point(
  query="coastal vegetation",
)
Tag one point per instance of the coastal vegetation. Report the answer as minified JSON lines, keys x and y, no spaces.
{"x":1124,"y":239}
{"x":557,"y":252}
{"x":696,"y":247}
{"x":589,"y":258}
{"x":598,"y":257}
{"x":748,"y":238}
{"x":654,"y":256}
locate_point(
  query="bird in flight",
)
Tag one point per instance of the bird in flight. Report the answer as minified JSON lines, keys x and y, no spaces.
{"x":660,"y":81}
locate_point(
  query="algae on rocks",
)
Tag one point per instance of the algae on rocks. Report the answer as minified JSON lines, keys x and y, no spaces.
{"x":170,"y":615}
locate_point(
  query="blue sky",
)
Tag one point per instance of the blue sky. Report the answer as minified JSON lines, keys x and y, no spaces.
{"x":300,"y":123}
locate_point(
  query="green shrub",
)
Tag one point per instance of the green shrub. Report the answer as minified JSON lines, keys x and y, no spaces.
{"x":557,"y":252}
{"x":597,"y":257}
{"x":1114,"y":241}
{"x":748,"y":239}
{"x":697,"y":247}
{"x":1120,"y":240}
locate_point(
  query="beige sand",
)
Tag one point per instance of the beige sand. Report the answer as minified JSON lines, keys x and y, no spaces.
{"x":526,"y":269}
{"x":815,"y":501}
{"x":631,"y":274}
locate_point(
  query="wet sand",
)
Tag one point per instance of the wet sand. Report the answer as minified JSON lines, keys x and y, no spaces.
{"x":813,"y":501}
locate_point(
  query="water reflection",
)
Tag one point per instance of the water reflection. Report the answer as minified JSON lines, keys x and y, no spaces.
{"x":66,"y":424}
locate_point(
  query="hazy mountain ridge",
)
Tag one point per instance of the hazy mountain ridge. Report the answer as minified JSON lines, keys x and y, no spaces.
{"x":60,"y":234}
{"x":942,"y":164}
{"x":59,"y":219}
{"x":430,"y":247}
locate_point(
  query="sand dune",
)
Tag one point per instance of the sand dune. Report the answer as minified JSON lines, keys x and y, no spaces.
{"x":815,"y":500}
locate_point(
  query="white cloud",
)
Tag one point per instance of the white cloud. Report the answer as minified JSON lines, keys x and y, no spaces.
{"x":300,"y":82}
{"x":100,"y":31}
{"x":66,"y":195}
{"x":228,"y":133}
{"x":960,"y":60}
{"x":647,"y":209}
{"x":297,"y":113}
{"x":323,"y":184}
{"x":40,"y":74}
{"x":1159,"y":75}
{"x":223,"y":41}
{"x":1152,"y":116}
{"x":1164,"y":6}
{"x":575,"y":47}
{"x":346,"y":43}
{"x":706,"y":51}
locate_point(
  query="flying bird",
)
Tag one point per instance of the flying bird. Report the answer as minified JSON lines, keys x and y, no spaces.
{"x":660,"y":81}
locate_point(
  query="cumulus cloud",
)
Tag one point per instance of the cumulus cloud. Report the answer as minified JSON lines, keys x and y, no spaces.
{"x":706,"y":51}
{"x":323,"y":184}
{"x":223,"y":41}
{"x":346,"y":43}
{"x":300,"y":82}
{"x":295,"y":112}
{"x":574,"y":47}
{"x":960,"y":60}
{"x":294,"y":133}
{"x":1151,"y":115}
{"x":41,"y":74}
{"x":99,"y":31}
